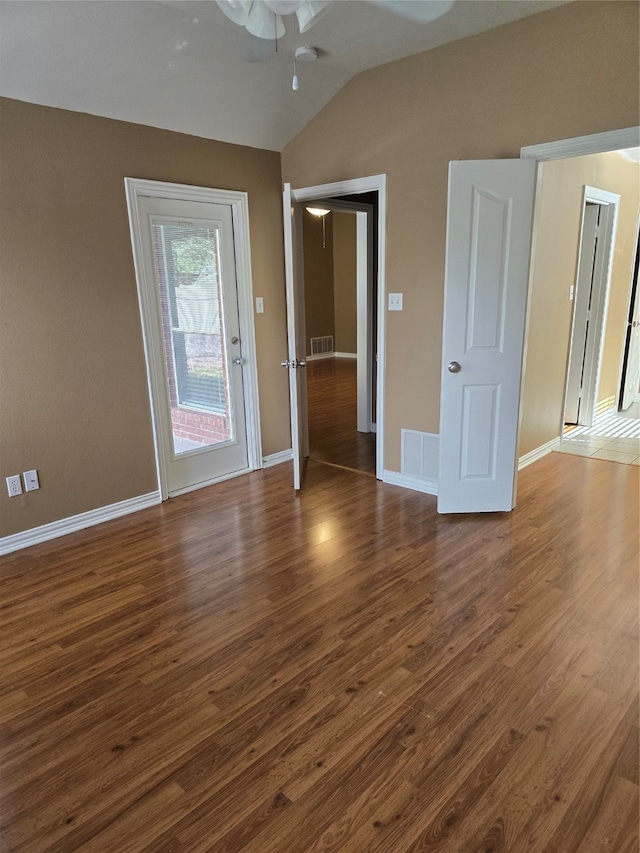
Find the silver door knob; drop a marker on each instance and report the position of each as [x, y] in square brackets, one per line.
[454, 367]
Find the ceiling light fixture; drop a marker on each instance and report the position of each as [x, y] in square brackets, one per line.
[320, 212]
[263, 18]
[302, 54]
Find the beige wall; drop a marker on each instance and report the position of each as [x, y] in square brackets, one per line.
[563, 73]
[318, 277]
[344, 282]
[73, 390]
[557, 238]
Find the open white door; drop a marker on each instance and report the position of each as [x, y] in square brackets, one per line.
[489, 220]
[631, 365]
[295, 337]
[582, 302]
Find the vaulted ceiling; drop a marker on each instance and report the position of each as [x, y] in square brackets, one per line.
[184, 66]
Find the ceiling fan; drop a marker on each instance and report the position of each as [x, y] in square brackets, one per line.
[264, 18]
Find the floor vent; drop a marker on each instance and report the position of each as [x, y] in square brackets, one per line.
[322, 346]
[420, 454]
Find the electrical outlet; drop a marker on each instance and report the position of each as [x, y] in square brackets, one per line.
[31, 482]
[14, 486]
[259, 305]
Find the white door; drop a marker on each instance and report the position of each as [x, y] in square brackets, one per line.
[296, 360]
[631, 379]
[193, 340]
[583, 291]
[489, 221]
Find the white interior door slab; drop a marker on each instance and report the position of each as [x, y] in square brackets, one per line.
[581, 313]
[631, 380]
[296, 361]
[489, 221]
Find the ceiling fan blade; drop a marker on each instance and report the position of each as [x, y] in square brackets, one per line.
[236, 10]
[263, 23]
[420, 11]
[311, 12]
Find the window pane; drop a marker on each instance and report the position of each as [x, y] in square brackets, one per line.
[187, 264]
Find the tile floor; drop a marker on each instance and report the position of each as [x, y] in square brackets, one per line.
[615, 436]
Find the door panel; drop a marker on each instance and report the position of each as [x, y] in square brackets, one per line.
[190, 278]
[488, 246]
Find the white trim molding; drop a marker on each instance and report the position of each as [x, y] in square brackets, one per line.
[596, 143]
[538, 453]
[277, 458]
[345, 354]
[321, 356]
[372, 183]
[408, 481]
[45, 532]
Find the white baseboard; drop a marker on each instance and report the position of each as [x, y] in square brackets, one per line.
[538, 453]
[320, 356]
[407, 481]
[277, 458]
[44, 533]
[345, 355]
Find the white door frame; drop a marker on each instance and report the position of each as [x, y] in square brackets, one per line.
[135, 189]
[600, 288]
[374, 183]
[595, 143]
[364, 305]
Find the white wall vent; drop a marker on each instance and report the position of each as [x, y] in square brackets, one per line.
[322, 346]
[420, 454]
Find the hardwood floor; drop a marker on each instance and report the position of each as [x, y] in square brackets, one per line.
[333, 435]
[243, 670]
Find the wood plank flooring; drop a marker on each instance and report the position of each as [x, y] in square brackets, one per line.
[333, 435]
[243, 670]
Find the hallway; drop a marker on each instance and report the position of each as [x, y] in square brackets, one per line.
[333, 437]
[614, 437]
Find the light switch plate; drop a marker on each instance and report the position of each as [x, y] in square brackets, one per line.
[259, 305]
[31, 482]
[395, 302]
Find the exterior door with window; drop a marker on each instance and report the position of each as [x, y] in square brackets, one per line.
[193, 340]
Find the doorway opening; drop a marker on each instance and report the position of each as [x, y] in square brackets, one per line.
[614, 431]
[339, 263]
[191, 256]
[629, 396]
[593, 281]
[339, 197]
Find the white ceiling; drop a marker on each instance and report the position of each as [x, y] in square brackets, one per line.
[184, 66]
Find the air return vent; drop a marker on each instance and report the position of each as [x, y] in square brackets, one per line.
[322, 346]
[420, 453]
